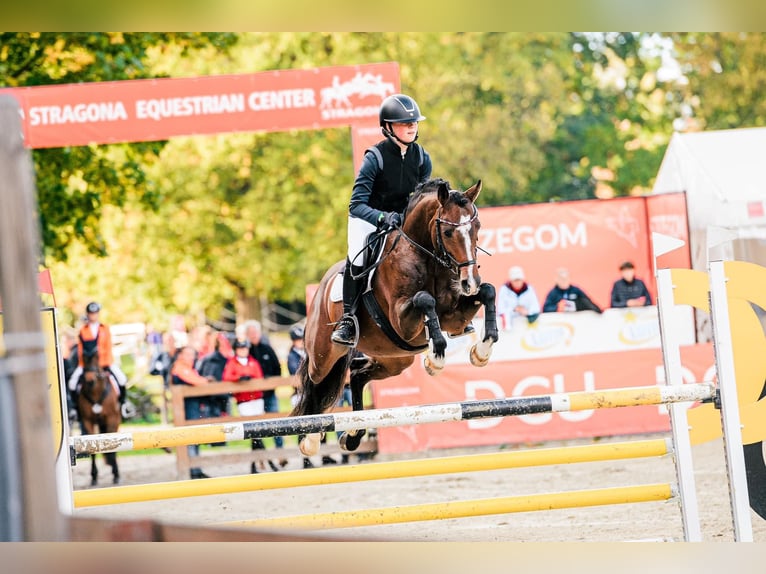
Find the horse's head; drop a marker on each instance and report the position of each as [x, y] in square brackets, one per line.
[455, 231]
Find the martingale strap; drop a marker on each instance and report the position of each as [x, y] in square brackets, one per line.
[377, 314]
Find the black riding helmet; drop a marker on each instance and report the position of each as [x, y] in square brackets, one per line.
[296, 332]
[399, 108]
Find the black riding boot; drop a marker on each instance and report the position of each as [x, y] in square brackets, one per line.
[345, 331]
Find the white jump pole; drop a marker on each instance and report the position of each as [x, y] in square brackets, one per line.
[679, 425]
[730, 419]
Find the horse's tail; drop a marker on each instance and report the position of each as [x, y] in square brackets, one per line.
[317, 397]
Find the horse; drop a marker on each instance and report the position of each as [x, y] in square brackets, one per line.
[98, 406]
[426, 282]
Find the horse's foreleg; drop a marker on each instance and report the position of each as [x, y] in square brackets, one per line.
[93, 471]
[111, 460]
[435, 359]
[481, 351]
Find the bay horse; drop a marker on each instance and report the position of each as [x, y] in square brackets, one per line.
[426, 282]
[98, 406]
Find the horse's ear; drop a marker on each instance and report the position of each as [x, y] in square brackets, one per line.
[473, 192]
[443, 193]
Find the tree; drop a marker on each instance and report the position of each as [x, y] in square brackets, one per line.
[726, 79]
[76, 183]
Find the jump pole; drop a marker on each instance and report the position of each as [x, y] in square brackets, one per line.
[391, 417]
[467, 508]
[376, 471]
[679, 424]
[730, 419]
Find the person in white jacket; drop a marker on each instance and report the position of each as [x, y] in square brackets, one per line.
[517, 298]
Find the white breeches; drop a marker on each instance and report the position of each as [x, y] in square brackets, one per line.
[358, 230]
[117, 376]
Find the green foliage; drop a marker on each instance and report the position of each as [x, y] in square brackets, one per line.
[185, 226]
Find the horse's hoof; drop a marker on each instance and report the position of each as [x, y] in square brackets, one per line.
[116, 480]
[93, 482]
[477, 361]
[350, 442]
[430, 368]
[309, 446]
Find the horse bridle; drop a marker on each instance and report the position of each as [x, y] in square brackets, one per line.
[98, 373]
[442, 257]
[445, 257]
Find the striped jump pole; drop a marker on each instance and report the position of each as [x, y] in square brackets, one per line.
[467, 508]
[376, 471]
[392, 417]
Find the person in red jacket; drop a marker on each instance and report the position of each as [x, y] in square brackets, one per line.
[243, 367]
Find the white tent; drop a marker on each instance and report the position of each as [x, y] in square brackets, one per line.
[724, 176]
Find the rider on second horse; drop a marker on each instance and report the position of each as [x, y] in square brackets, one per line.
[95, 336]
[389, 173]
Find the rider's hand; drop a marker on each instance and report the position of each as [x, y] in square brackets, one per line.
[389, 219]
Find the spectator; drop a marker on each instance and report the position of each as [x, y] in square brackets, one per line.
[184, 373]
[630, 291]
[162, 362]
[243, 367]
[212, 365]
[262, 352]
[565, 297]
[517, 298]
[96, 336]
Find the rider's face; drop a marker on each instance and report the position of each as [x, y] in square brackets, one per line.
[405, 131]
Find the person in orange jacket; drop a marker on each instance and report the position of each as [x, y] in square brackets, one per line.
[184, 373]
[243, 367]
[96, 336]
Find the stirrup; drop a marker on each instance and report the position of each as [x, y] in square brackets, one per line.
[341, 335]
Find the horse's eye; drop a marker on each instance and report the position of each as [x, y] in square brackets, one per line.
[448, 233]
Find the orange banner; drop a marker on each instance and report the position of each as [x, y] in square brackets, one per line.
[158, 109]
[589, 237]
[458, 383]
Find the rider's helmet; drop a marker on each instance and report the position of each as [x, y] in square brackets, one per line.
[296, 332]
[93, 307]
[399, 108]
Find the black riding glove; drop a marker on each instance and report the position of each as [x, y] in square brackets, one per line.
[389, 219]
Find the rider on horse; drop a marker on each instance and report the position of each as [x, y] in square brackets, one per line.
[94, 337]
[389, 173]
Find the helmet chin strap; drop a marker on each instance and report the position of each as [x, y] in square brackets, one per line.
[391, 135]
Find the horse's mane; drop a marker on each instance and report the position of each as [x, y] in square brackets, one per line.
[427, 188]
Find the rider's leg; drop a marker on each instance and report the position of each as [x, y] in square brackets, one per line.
[121, 379]
[345, 330]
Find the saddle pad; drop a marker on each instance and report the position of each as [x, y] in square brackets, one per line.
[336, 288]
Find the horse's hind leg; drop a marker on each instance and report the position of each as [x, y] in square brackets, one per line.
[360, 376]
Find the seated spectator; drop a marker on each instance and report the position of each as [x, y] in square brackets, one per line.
[630, 291]
[184, 373]
[565, 297]
[517, 298]
[242, 367]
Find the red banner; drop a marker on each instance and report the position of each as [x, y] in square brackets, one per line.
[499, 379]
[158, 109]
